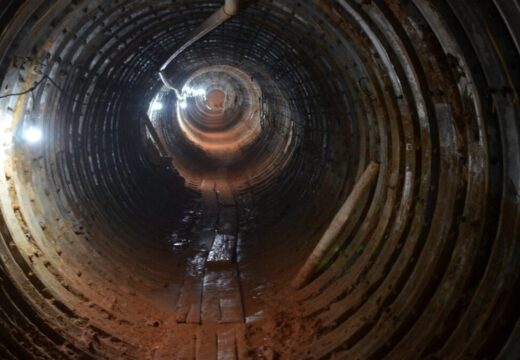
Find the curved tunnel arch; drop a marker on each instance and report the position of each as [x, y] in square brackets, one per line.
[426, 267]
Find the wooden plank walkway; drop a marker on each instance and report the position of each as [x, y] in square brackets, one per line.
[223, 251]
[204, 342]
[210, 301]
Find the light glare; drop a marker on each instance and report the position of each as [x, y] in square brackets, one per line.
[156, 106]
[32, 134]
[200, 92]
[193, 92]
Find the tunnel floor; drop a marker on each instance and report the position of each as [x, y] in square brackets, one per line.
[213, 310]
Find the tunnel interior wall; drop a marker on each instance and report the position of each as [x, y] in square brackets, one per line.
[428, 264]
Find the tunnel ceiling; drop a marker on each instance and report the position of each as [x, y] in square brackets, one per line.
[289, 101]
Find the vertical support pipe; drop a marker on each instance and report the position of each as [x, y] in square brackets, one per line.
[363, 185]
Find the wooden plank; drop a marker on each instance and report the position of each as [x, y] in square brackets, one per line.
[362, 186]
[210, 200]
[222, 300]
[194, 313]
[227, 349]
[225, 195]
[227, 223]
[231, 306]
[189, 305]
[211, 298]
[204, 240]
[222, 251]
[241, 343]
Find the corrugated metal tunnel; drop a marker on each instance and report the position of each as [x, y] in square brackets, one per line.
[139, 222]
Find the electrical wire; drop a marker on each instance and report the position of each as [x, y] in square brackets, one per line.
[34, 87]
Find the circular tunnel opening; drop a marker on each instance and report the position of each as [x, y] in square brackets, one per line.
[314, 180]
[216, 99]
